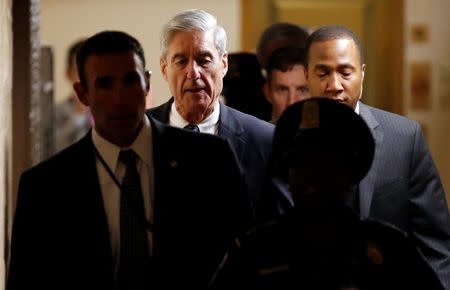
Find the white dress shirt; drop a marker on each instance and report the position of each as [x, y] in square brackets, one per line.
[110, 191]
[210, 125]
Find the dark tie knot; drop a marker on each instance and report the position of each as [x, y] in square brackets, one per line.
[192, 127]
[128, 157]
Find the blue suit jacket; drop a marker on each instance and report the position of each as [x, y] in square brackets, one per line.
[403, 187]
[60, 237]
[251, 139]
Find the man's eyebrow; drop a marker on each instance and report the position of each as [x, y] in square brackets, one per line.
[177, 56]
[204, 53]
[340, 66]
[320, 66]
[346, 65]
[99, 79]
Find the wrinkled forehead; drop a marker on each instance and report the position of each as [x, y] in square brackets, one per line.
[188, 41]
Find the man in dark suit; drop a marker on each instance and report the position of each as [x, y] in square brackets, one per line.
[403, 186]
[194, 62]
[322, 149]
[80, 222]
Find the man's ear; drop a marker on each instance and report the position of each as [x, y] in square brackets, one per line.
[147, 80]
[266, 90]
[81, 93]
[163, 65]
[363, 70]
[225, 64]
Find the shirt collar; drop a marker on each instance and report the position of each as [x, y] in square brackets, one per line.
[357, 108]
[206, 126]
[141, 145]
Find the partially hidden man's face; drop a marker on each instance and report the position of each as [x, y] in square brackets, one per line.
[335, 70]
[194, 71]
[117, 85]
[282, 89]
[322, 179]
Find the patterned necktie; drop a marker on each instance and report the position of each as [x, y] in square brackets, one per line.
[134, 250]
[192, 127]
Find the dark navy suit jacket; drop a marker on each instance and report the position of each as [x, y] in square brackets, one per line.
[251, 139]
[290, 253]
[403, 187]
[60, 237]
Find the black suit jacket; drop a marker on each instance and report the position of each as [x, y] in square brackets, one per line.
[403, 186]
[60, 237]
[361, 254]
[251, 139]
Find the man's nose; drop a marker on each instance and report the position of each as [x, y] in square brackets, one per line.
[334, 83]
[293, 96]
[118, 94]
[193, 71]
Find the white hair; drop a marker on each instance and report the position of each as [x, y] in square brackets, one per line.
[193, 19]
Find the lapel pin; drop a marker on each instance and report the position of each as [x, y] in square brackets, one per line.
[173, 164]
[374, 253]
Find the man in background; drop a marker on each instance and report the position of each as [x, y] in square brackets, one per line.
[285, 81]
[243, 86]
[134, 204]
[403, 186]
[72, 118]
[322, 149]
[278, 35]
[279, 51]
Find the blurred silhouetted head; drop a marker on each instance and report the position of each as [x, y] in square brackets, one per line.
[71, 60]
[242, 86]
[279, 35]
[321, 149]
[319, 127]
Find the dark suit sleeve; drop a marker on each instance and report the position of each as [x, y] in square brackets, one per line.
[244, 216]
[25, 245]
[430, 220]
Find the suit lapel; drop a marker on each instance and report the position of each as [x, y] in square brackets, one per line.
[161, 169]
[162, 112]
[97, 208]
[94, 211]
[231, 130]
[367, 184]
[229, 127]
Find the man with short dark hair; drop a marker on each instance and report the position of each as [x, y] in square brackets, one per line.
[278, 35]
[134, 204]
[322, 149]
[72, 118]
[403, 185]
[285, 81]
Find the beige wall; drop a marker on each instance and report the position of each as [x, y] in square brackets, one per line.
[5, 115]
[434, 51]
[64, 21]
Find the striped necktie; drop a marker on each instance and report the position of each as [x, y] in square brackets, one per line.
[134, 250]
